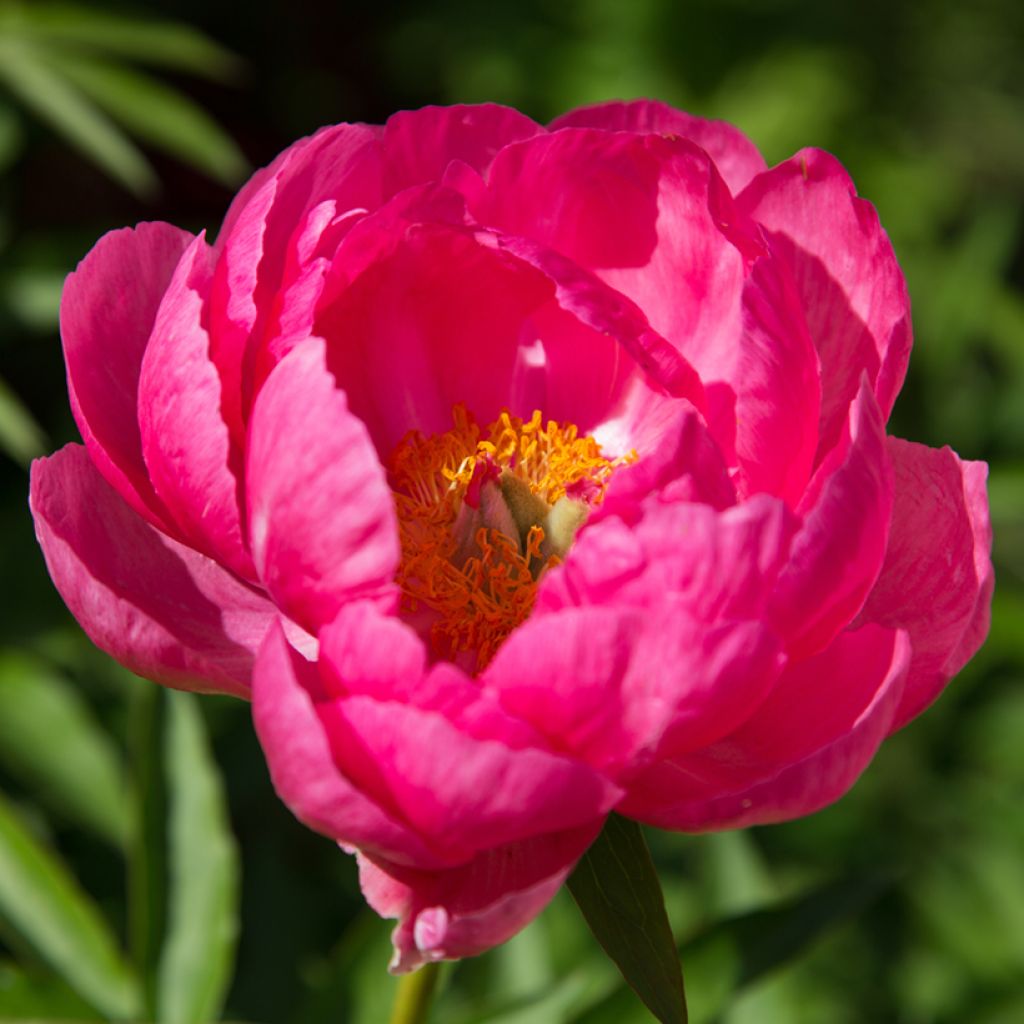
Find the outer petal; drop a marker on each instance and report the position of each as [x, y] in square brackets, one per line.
[838, 553]
[467, 910]
[340, 163]
[184, 437]
[322, 523]
[106, 315]
[736, 157]
[846, 273]
[438, 751]
[286, 692]
[419, 144]
[936, 582]
[158, 607]
[803, 748]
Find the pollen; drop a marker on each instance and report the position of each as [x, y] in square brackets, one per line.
[483, 513]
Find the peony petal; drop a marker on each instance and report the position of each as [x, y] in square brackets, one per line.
[106, 315]
[340, 163]
[462, 792]
[286, 692]
[802, 749]
[185, 441]
[447, 915]
[937, 578]
[846, 274]
[838, 553]
[419, 144]
[321, 518]
[163, 610]
[735, 156]
[611, 686]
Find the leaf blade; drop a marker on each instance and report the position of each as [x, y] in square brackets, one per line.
[198, 957]
[42, 902]
[86, 782]
[616, 887]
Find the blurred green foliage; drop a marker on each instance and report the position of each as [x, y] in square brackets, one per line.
[903, 903]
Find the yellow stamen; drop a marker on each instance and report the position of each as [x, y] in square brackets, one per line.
[482, 514]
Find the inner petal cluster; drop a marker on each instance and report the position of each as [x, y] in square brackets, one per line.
[482, 514]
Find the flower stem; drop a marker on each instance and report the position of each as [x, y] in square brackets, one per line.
[415, 991]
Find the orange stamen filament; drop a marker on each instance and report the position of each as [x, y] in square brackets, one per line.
[470, 582]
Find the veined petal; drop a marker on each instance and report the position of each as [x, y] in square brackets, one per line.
[735, 156]
[937, 578]
[850, 285]
[446, 915]
[107, 311]
[192, 463]
[163, 610]
[321, 519]
[801, 750]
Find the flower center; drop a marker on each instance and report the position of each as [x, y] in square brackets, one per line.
[482, 513]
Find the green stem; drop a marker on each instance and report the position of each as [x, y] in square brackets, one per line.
[415, 991]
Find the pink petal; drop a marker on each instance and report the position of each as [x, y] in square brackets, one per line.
[163, 610]
[185, 440]
[846, 273]
[339, 163]
[419, 144]
[447, 915]
[838, 553]
[649, 215]
[802, 749]
[464, 793]
[735, 156]
[287, 690]
[937, 578]
[321, 518]
[107, 312]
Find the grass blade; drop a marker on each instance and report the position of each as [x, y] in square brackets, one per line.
[86, 781]
[42, 902]
[158, 115]
[28, 75]
[198, 958]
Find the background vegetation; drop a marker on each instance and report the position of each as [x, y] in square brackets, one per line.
[122, 891]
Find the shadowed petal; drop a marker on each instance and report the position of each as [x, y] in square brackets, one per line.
[160, 608]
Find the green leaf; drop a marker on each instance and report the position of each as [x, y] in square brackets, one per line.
[144, 40]
[198, 958]
[735, 953]
[158, 115]
[42, 902]
[617, 889]
[28, 75]
[147, 860]
[11, 136]
[83, 777]
[20, 435]
[26, 996]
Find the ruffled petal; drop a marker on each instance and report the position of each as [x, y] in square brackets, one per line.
[447, 915]
[439, 752]
[191, 461]
[838, 553]
[801, 750]
[287, 690]
[339, 163]
[163, 610]
[735, 156]
[937, 579]
[321, 517]
[106, 315]
[419, 144]
[851, 287]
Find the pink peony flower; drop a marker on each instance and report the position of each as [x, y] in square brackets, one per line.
[518, 474]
